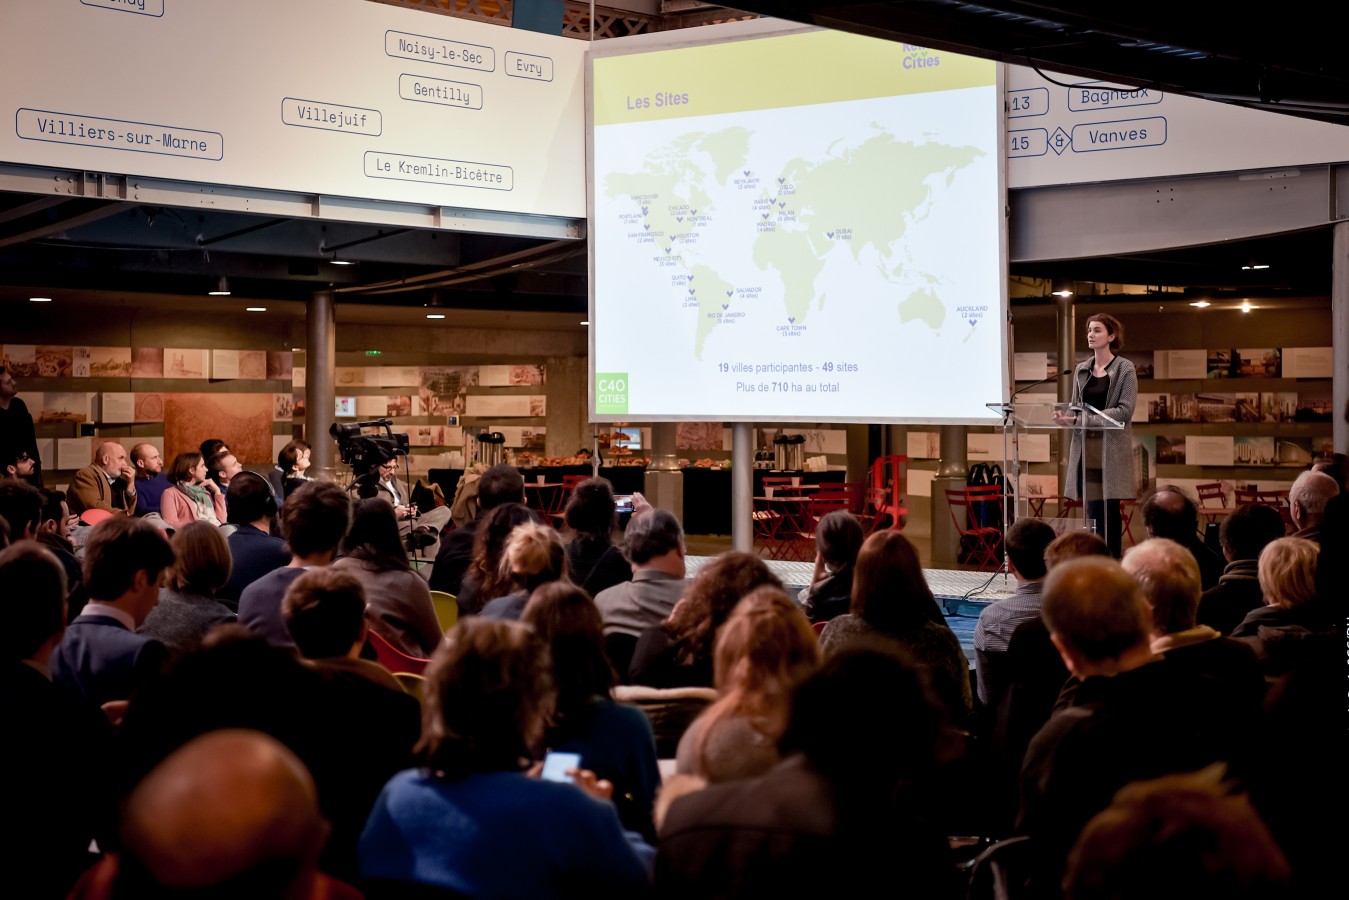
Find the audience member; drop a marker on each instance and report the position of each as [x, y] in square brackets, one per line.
[325, 612]
[254, 546]
[471, 821]
[836, 817]
[221, 466]
[193, 497]
[534, 555]
[1168, 583]
[763, 652]
[188, 607]
[614, 740]
[654, 547]
[16, 463]
[1177, 838]
[1242, 535]
[21, 508]
[1307, 500]
[1131, 717]
[108, 483]
[592, 559]
[54, 533]
[678, 651]
[421, 527]
[1293, 612]
[499, 485]
[292, 462]
[16, 422]
[151, 479]
[1035, 676]
[891, 600]
[101, 656]
[211, 446]
[486, 579]
[57, 793]
[237, 680]
[838, 538]
[1025, 546]
[397, 601]
[1169, 513]
[313, 522]
[231, 814]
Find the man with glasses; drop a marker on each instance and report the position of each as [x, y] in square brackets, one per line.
[382, 481]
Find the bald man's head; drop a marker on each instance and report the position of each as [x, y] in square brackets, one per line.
[233, 811]
[1091, 606]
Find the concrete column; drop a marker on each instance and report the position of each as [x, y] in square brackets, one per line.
[664, 482]
[1067, 335]
[742, 486]
[950, 475]
[1339, 313]
[320, 388]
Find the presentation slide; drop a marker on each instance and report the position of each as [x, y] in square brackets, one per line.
[799, 227]
[343, 98]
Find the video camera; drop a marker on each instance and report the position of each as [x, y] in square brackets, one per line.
[365, 451]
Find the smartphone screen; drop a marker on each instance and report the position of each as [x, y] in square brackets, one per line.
[556, 766]
[623, 502]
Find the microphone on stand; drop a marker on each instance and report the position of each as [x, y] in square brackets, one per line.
[1007, 407]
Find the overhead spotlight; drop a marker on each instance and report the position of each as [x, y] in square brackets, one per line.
[1252, 265]
[586, 322]
[1201, 304]
[255, 309]
[1247, 306]
[1062, 287]
[435, 315]
[39, 299]
[222, 288]
[342, 262]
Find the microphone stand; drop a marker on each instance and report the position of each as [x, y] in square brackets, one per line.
[1014, 463]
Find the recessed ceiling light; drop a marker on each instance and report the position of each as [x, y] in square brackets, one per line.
[435, 315]
[343, 262]
[1062, 293]
[255, 309]
[1247, 306]
[39, 299]
[222, 288]
[1201, 304]
[587, 322]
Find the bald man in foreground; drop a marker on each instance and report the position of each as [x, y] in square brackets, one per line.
[232, 813]
[1132, 717]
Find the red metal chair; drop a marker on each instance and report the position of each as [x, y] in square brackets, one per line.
[979, 542]
[1127, 508]
[769, 526]
[1212, 496]
[816, 508]
[1277, 499]
[395, 660]
[558, 501]
[889, 492]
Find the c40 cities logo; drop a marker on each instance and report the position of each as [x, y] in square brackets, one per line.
[611, 392]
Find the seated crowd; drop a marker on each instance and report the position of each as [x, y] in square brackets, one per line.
[196, 708]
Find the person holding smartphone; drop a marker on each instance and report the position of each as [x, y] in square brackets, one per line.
[472, 820]
[1106, 381]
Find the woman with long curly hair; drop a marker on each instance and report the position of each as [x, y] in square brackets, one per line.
[678, 651]
[765, 649]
